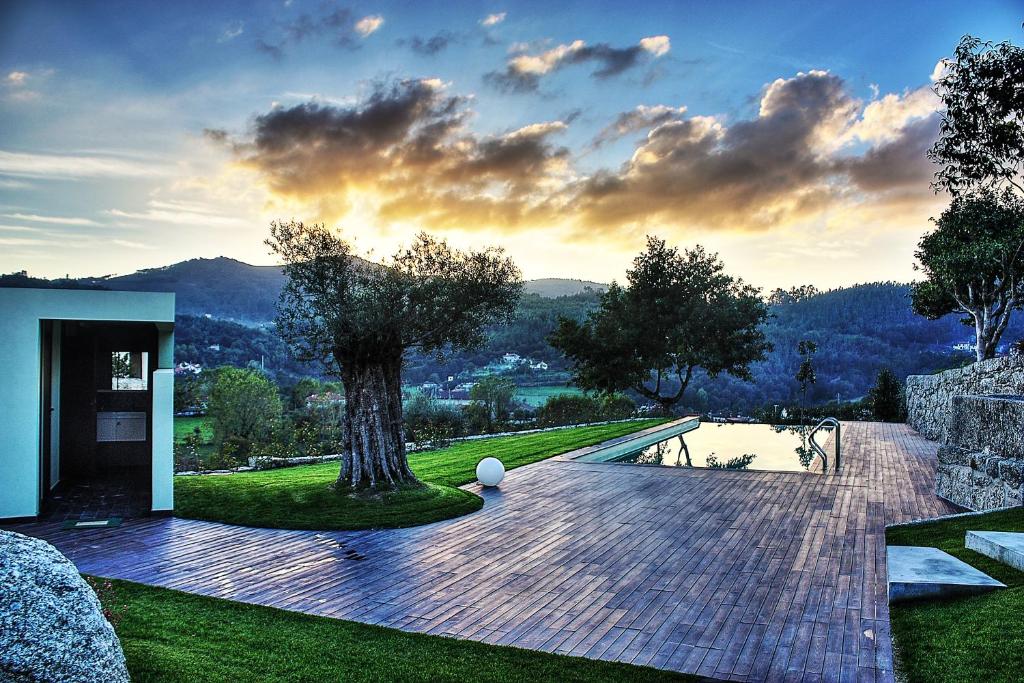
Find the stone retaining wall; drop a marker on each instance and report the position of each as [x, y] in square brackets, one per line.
[930, 397]
[981, 463]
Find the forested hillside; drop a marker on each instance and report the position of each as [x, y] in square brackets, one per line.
[231, 290]
[858, 331]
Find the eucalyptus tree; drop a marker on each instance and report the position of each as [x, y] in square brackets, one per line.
[360, 319]
[677, 313]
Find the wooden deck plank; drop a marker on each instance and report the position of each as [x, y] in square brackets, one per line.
[738, 575]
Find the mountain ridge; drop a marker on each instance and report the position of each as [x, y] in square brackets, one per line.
[230, 289]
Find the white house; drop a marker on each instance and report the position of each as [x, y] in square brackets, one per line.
[511, 359]
[965, 346]
[86, 395]
[539, 365]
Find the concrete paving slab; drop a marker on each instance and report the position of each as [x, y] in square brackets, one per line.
[1005, 546]
[917, 572]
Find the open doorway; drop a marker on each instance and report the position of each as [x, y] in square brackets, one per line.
[97, 422]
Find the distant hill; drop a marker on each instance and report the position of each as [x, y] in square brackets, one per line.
[232, 290]
[858, 330]
[220, 287]
[552, 287]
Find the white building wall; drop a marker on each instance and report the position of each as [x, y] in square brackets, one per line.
[21, 311]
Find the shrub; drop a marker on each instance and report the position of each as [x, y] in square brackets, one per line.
[430, 423]
[186, 453]
[886, 398]
[566, 409]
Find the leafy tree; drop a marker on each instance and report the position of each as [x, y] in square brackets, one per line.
[243, 405]
[981, 142]
[678, 312]
[494, 395]
[189, 392]
[805, 376]
[361, 319]
[886, 397]
[974, 265]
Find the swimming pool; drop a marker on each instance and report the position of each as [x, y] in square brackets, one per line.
[707, 444]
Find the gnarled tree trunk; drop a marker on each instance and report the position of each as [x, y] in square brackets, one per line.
[373, 454]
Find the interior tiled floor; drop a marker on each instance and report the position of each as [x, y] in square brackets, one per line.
[100, 499]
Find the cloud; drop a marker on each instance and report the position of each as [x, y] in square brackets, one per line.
[19, 85]
[493, 19]
[429, 47]
[231, 31]
[884, 119]
[337, 24]
[71, 167]
[128, 244]
[179, 213]
[656, 45]
[405, 155]
[638, 119]
[369, 24]
[523, 71]
[781, 167]
[406, 145]
[55, 220]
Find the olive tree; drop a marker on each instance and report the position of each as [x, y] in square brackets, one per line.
[677, 312]
[973, 263]
[361, 318]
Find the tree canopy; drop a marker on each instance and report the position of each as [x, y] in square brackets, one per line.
[974, 264]
[676, 313]
[981, 142]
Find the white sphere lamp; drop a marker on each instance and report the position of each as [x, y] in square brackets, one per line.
[490, 472]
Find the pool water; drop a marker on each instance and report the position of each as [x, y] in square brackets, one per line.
[734, 446]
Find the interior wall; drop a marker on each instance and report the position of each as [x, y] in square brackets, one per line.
[55, 412]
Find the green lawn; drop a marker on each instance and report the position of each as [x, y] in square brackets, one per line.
[536, 396]
[299, 497]
[184, 426]
[978, 638]
[170, 636]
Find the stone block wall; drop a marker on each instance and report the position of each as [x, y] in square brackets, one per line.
[930, 397]
[981, 463]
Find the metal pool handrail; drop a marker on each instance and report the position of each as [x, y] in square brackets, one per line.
[821, 451]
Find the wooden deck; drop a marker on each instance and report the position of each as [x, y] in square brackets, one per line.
[737, 575]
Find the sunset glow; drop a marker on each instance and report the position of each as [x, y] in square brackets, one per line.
[793, 144]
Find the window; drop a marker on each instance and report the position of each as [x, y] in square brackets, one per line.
[129, 370]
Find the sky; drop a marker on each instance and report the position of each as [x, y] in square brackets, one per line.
[789, 137]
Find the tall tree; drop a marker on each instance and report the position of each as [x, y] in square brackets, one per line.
[361, 319]
[886, 397]
[805, 375]
[981, 144]
[974, 265]
[678, 312]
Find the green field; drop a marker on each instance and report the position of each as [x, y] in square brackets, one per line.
[183, 426]
[300, 497]
[536, 396]
[976, 638]
[169, 635]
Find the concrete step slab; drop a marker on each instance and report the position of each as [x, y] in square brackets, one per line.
[918, 572]
[1004, 546]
